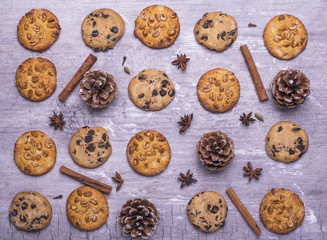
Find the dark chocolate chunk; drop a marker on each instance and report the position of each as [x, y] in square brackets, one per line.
[104, 137]
[14, 213]
[220, 200]
[222, 223]
[222, 14]
[280, 128]
[291, 152]
[114, 39]
[142, 77]
[88, 138]
[78, 142]
[95, 33]
[223, 34]
[90, 147]
[196, 226]
[91, 14]
[207, 24]
[218, 36]
[189, 202]
[196, 33]
[141, 95]
[94, 23]
[101, 145]
[96, 15]
[164, 83]
[75, 151]
[107, 145]
[207, 227]
[171, 93]
[22, 218]
[114, 29]
[163, 92]
[99, 159]
[91, 132]
[204, 38]
[109, 36]
[17, 204]
[216, 217]
[21, 198]
[198, 22]
[33, 205]
[24, 205]
[105, 15]
[154, 93]
[300, 146]
[232, 33]
[86, 127]
[268, 139]
[213, 209]
[204, 15]
[301, 154]
[165, 75]
[97, 49]
[296, 129]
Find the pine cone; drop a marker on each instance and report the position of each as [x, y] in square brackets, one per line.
[290, 88]
[215, 150]
[98, 88]
[139, 218]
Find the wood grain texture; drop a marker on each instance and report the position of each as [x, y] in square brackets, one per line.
[122, 119]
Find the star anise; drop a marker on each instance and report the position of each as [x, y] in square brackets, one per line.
[119, 180]
[57, 120]
[185, 122]
[181, 61]
[246, 119]
[187, 179]
[252, 173]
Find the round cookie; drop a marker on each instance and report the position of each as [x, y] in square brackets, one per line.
[90, 147]
[286, 142]
[87, 209]
[157, 26]
[36, 79]
[35, 153]
[38, 29]
[285, 36]
[151, 90]
[102, 28]
[207, 211]
[218, 90]
[216, 31]
[148, 152]
[281, 211]
[30, 211]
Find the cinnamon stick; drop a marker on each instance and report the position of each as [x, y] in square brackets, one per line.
[245, 213]
[254, 73]
[77, 77]
[86, 180]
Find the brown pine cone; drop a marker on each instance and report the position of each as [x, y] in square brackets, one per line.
[215, 150]
[139, 218]
[98, 89]
[290, 88]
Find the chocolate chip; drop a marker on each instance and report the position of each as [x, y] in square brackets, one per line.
[296, 129]
[14, 213]
[91, 132]
[88, 138]
[164, 83]
[207, 24]
[213, 209]
[114, 29]
[280, 128]
[114, 39]
[222, 223]
[75, 151]
[104, 137]
[86, 127]
[301, 147]
[232, 33]
[33, 205]
[300, 155]
[99, 159]
[90, 147]
[91, 14]
[223, 34]
[204, 38]
[97, 49]
[268, 139]
[78, 142]
[101, 145]
[107, 145]
[171, 93]
[218, 36]
[196, 226]
[207, 227]
[163, 92]
[216, 218]
[154, 93]
[105, 15]
[291, 152]
[21, 199]
[204, 15]
[94, 23]
[222, 14]
[189, 202]
[17, 204]
[196, 33]
[109, 36]
[142, 77]
[95, 33]
[96, 15]
[165, 75]
[24, 205]
[22, 218]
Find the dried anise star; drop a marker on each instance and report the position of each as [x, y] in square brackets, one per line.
[57, 120]
[185, 122]
[181, 61]
[119, 180]
[252, 173]
[187, 179]
[246, 119]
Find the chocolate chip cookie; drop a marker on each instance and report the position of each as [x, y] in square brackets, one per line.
[87, 208]
[286, 142]
[151, 90]
[216, 30]
[207, 211]
[102, 28]
[90, 147]
[218, 90]
[148, 152]
[285, 36]
[281, 211]
[30, 211]
[35, 153]
[38, 29]
[157, 26]
[36, 79]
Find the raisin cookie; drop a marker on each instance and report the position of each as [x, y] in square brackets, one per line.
[286, 142]
[218, 90]
[30, 211]
[87, 208]
[36, 79]
[207, 211]
[38, 30]
[102, 28]
[281, 211]
[157, 26]
[90, 147]
[35, 153]
[216, 30]
[148, 152]
[151, 90]
[285, 36]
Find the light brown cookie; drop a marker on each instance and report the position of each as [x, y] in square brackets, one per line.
[207, 211]
[218, 90]
[90, 147]
[102, 28]
[281, 211]
[38, 29]
[148, 152]
[216, 30]
[35, 153]
[87, 208]
[286, 142]
[285, 36]
[151, 90]
[157, 26]
[36, 79]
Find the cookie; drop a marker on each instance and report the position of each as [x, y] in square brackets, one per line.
[87, 208]
[90, 147]
[151, 90]
[102, 28]
[30, 211]
[35, 153]
[157, 26]
[286, 142]
[36, 79]
[218, 90]
[38, 29]
[281, 211]
[285, 36]
[207, 211]
[216, 31]
[148, 152]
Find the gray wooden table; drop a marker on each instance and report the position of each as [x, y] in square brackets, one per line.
[122, 119]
